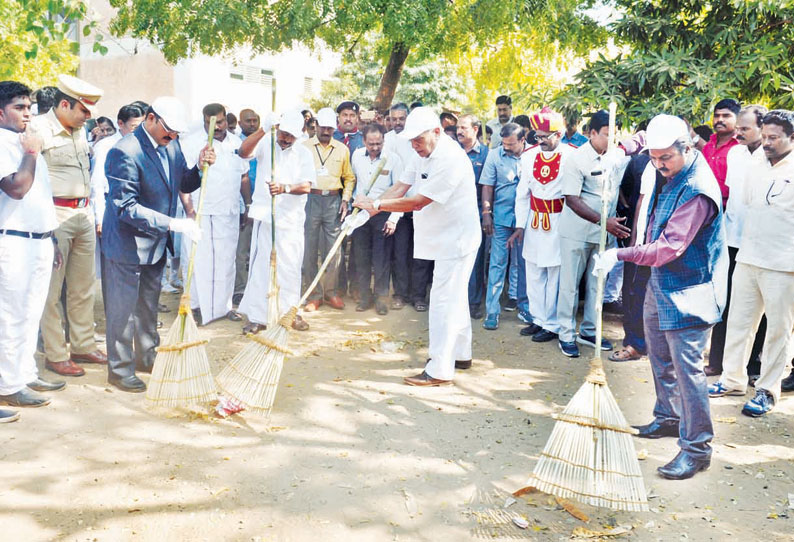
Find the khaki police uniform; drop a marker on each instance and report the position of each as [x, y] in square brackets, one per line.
[66, 154]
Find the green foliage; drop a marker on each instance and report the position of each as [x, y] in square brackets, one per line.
[35, 43]
[687, 54]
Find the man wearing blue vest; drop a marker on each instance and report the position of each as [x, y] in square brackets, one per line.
[687, 253]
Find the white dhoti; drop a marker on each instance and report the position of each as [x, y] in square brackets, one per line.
[25, 269]
[450, 323]
[289, 258]
[543, 284]
[214, 268]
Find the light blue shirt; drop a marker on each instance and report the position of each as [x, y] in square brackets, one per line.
[502, 171]
[577, 140]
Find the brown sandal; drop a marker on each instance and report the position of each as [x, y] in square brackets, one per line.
[627, 353]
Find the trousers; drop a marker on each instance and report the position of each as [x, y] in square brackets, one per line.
[372, 253]
[131, 315]
[321, 229]
[241, 258]
[681, 387]
[576, 257]
[543, 285]
[757, 290]
[25, 266]
[449, 320]
[635, 282]
[497, 269]
[77, 243]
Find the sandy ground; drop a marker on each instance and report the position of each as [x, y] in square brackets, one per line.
[351, 454]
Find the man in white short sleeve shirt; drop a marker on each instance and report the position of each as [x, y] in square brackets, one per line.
[446, 230]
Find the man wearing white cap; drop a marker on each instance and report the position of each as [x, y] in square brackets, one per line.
[326, 208]
[66, 152]
[146, 171]
[213, 283]
[447, 230]
[687, 253]
[293, 180]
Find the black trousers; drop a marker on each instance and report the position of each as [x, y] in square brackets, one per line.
[133, 292]
[402, 256]
[718, 333]
[635, 281]
[371, 251]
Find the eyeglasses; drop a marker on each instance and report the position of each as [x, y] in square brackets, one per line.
[166, 128]
[546, 137]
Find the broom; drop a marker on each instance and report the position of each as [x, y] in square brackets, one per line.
[590, 454]
[181, 373]
[251, 377]
[272, 301]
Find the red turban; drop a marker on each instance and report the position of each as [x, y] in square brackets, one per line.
[547, 120]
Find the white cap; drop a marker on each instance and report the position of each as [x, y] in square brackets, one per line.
[172, 111]
[326, 117]
[291, 122]
[419, 121]
[663, 131]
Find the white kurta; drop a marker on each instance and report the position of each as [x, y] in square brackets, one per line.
[447, 231]
[214, 268]
[293, 166]
[25, 267]
[740, 161]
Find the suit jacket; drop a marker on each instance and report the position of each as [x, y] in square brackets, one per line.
[142, 200]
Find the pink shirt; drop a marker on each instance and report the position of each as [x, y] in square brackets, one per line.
[681, 229]
[717, 157]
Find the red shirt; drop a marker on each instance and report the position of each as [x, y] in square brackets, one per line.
[717, 157]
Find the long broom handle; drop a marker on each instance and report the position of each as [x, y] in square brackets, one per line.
[340, 238]
[184, 304]
[273, 278]
[606, 196]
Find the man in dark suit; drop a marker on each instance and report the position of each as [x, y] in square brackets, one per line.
[146, 171]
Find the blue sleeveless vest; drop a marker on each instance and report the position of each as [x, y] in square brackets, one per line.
[691, 290]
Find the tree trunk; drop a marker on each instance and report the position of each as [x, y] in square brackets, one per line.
[391, 76]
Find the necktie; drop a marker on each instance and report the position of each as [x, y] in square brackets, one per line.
[161, 152]
[347, 139]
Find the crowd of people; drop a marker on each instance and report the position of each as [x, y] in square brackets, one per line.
[460, 218]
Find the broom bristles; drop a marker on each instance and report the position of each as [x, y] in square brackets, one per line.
[252, 376]
[181, 374]
[590, 455]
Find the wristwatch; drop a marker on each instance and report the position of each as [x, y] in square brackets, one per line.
[287, 188]
[376, 204]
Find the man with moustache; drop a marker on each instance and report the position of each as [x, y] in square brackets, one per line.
[28, 251]
[685, 294]
[763, 280]
[721, 141]
[504, 114]
[744, 157]
[146, 171]
[539, 202]
[249, 123]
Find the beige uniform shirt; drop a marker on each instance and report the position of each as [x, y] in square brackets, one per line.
[332, 165]
[767, 239]
[67, 160]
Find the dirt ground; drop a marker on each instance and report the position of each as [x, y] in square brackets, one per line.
[352, 454]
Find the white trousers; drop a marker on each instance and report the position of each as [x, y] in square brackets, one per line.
[289, 258]
[25, 270]
[757, 291]
[214, 269]
[543, 285]
[449, 319]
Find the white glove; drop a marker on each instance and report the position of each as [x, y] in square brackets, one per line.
[354, 221]
[188, 226]
[605, 262]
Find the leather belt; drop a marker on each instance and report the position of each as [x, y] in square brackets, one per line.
[72, 203]
[325, 192]
[28, 234]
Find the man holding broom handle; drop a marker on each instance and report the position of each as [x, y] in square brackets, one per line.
[686, 250]
[146, 170]
[294, 178]
[446, 229]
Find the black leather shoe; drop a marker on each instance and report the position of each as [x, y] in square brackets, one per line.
[25, 398]
[683, 466]
[530, 330]
[132, 384]
[476, 311]
[787, 384]
[657, 429]
[463, 364]
[42, 385]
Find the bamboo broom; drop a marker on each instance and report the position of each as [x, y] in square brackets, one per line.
[181, 374]
[251, 378]
[590, 454]
[272, 300]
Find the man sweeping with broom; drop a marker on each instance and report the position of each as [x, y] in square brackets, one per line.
[686, 250]
[146, 171]
[447, 230]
